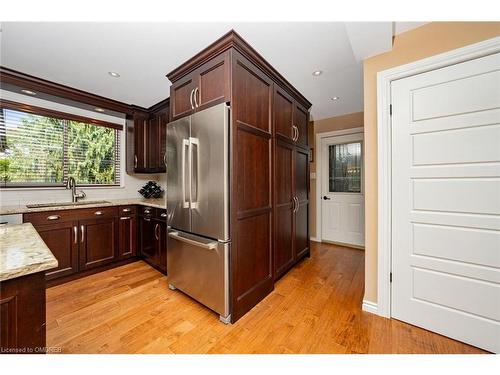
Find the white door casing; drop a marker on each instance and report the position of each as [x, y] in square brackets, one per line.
[446, 201]
[342, 213]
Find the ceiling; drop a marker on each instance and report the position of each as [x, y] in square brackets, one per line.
[80, 55]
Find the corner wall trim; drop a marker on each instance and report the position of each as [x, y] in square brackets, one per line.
[370, 307]
[314, 239]
[384, 152]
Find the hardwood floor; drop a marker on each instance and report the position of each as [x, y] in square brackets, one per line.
[315, 308]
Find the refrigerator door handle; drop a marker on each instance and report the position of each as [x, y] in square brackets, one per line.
[194, 167]
[178, 237]
[185, 199]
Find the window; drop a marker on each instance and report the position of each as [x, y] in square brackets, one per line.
[345, 168]
[39, 148]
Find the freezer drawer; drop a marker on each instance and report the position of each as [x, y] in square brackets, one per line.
[199, 267]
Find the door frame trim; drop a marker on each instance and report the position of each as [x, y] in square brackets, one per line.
[384, 152]
[318, 154]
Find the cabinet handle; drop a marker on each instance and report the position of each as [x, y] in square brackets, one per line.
[82, 230]
[164, 214]
[298, 204]
[196, 90]
[75, 232]
[146, 211]
[135, 161]
[125, 218]
[98, 213]
[53, 217]
[146, 219]
[191, 98]
[165, 159]
[156, 231]
[298, 134]
[126, 210]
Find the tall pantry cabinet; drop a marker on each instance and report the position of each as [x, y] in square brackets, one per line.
[269, 160]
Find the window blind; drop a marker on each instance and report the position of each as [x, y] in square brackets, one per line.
[40, 150]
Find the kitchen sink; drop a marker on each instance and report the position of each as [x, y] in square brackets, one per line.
[62, 204]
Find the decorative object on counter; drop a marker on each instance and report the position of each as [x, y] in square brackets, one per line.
[151, 190]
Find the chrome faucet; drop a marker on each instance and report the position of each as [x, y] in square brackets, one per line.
[71, 184]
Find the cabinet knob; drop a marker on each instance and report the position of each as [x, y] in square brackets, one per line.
[53, 217]
[126, 210]
[164, 214]
[98, 213]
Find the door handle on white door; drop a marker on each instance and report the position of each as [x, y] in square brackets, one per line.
[326, 198]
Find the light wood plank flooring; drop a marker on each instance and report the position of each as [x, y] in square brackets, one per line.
[315, 308]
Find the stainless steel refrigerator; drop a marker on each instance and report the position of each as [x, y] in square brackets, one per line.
[198, 207]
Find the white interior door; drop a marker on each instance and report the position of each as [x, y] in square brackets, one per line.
[342, 201]
[446, 201]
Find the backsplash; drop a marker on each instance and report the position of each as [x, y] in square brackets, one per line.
[132, 183]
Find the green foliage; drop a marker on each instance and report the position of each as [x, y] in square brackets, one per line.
[35, 151]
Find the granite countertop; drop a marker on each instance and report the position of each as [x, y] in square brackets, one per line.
[158, 203]
[23, 252]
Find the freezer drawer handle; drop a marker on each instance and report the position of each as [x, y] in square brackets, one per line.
[176, 236]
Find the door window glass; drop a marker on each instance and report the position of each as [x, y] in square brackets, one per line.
[344, 168]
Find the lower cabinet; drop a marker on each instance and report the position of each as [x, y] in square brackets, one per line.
[62, 239]
[153, 237]
[127, 237]
[291, 207]
[98, 242]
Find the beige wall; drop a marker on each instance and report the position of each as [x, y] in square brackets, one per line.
[352, 120]
[425, 41]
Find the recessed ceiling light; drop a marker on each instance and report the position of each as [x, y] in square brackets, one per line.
[28, 92]
[317, 73]
[114, 74]
[335, 98]
[98, 109]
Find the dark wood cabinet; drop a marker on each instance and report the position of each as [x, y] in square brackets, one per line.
[146, 139]
[301, 190]
[301, 121]
[268, 126]
[201, 88]
[127, 236]
[62, 240]
[283, 208]
[153, 237]
[22, 315]
[147, 235]
[98, 242]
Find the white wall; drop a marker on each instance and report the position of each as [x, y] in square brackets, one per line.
[129, 184]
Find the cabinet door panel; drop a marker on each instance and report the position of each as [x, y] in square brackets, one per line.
[62, 240]
[180, 96]
[127, 237]
[162, 140]
[213, 82]
[283, 232]
[98, 241]
[140, 138]
[283, 114]
[153, 143]
[301, 120]
[147, 237]
[301, 185]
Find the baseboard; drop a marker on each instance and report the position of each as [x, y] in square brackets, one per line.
[314, 239]
[370, 307]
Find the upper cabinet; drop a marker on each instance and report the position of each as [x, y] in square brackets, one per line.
[201, 88]
[146, 139]
[290, 118]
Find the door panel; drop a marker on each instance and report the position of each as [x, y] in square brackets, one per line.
[178, 177]
[283, 113]
[62, 240]
[301, 191]
[127, 236]
[445, 203]
[284, 217]
[181, 102]
[213, 82]
[342, 200]
[140, 139]
[98, 241]
[209, 147]
[147, 235]
[301, 120]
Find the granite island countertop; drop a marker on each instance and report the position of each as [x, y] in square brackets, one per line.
[23, 252]
[22, 209]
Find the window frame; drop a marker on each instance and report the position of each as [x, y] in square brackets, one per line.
[35, 110]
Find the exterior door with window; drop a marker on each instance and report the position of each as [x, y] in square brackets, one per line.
[342, 200]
